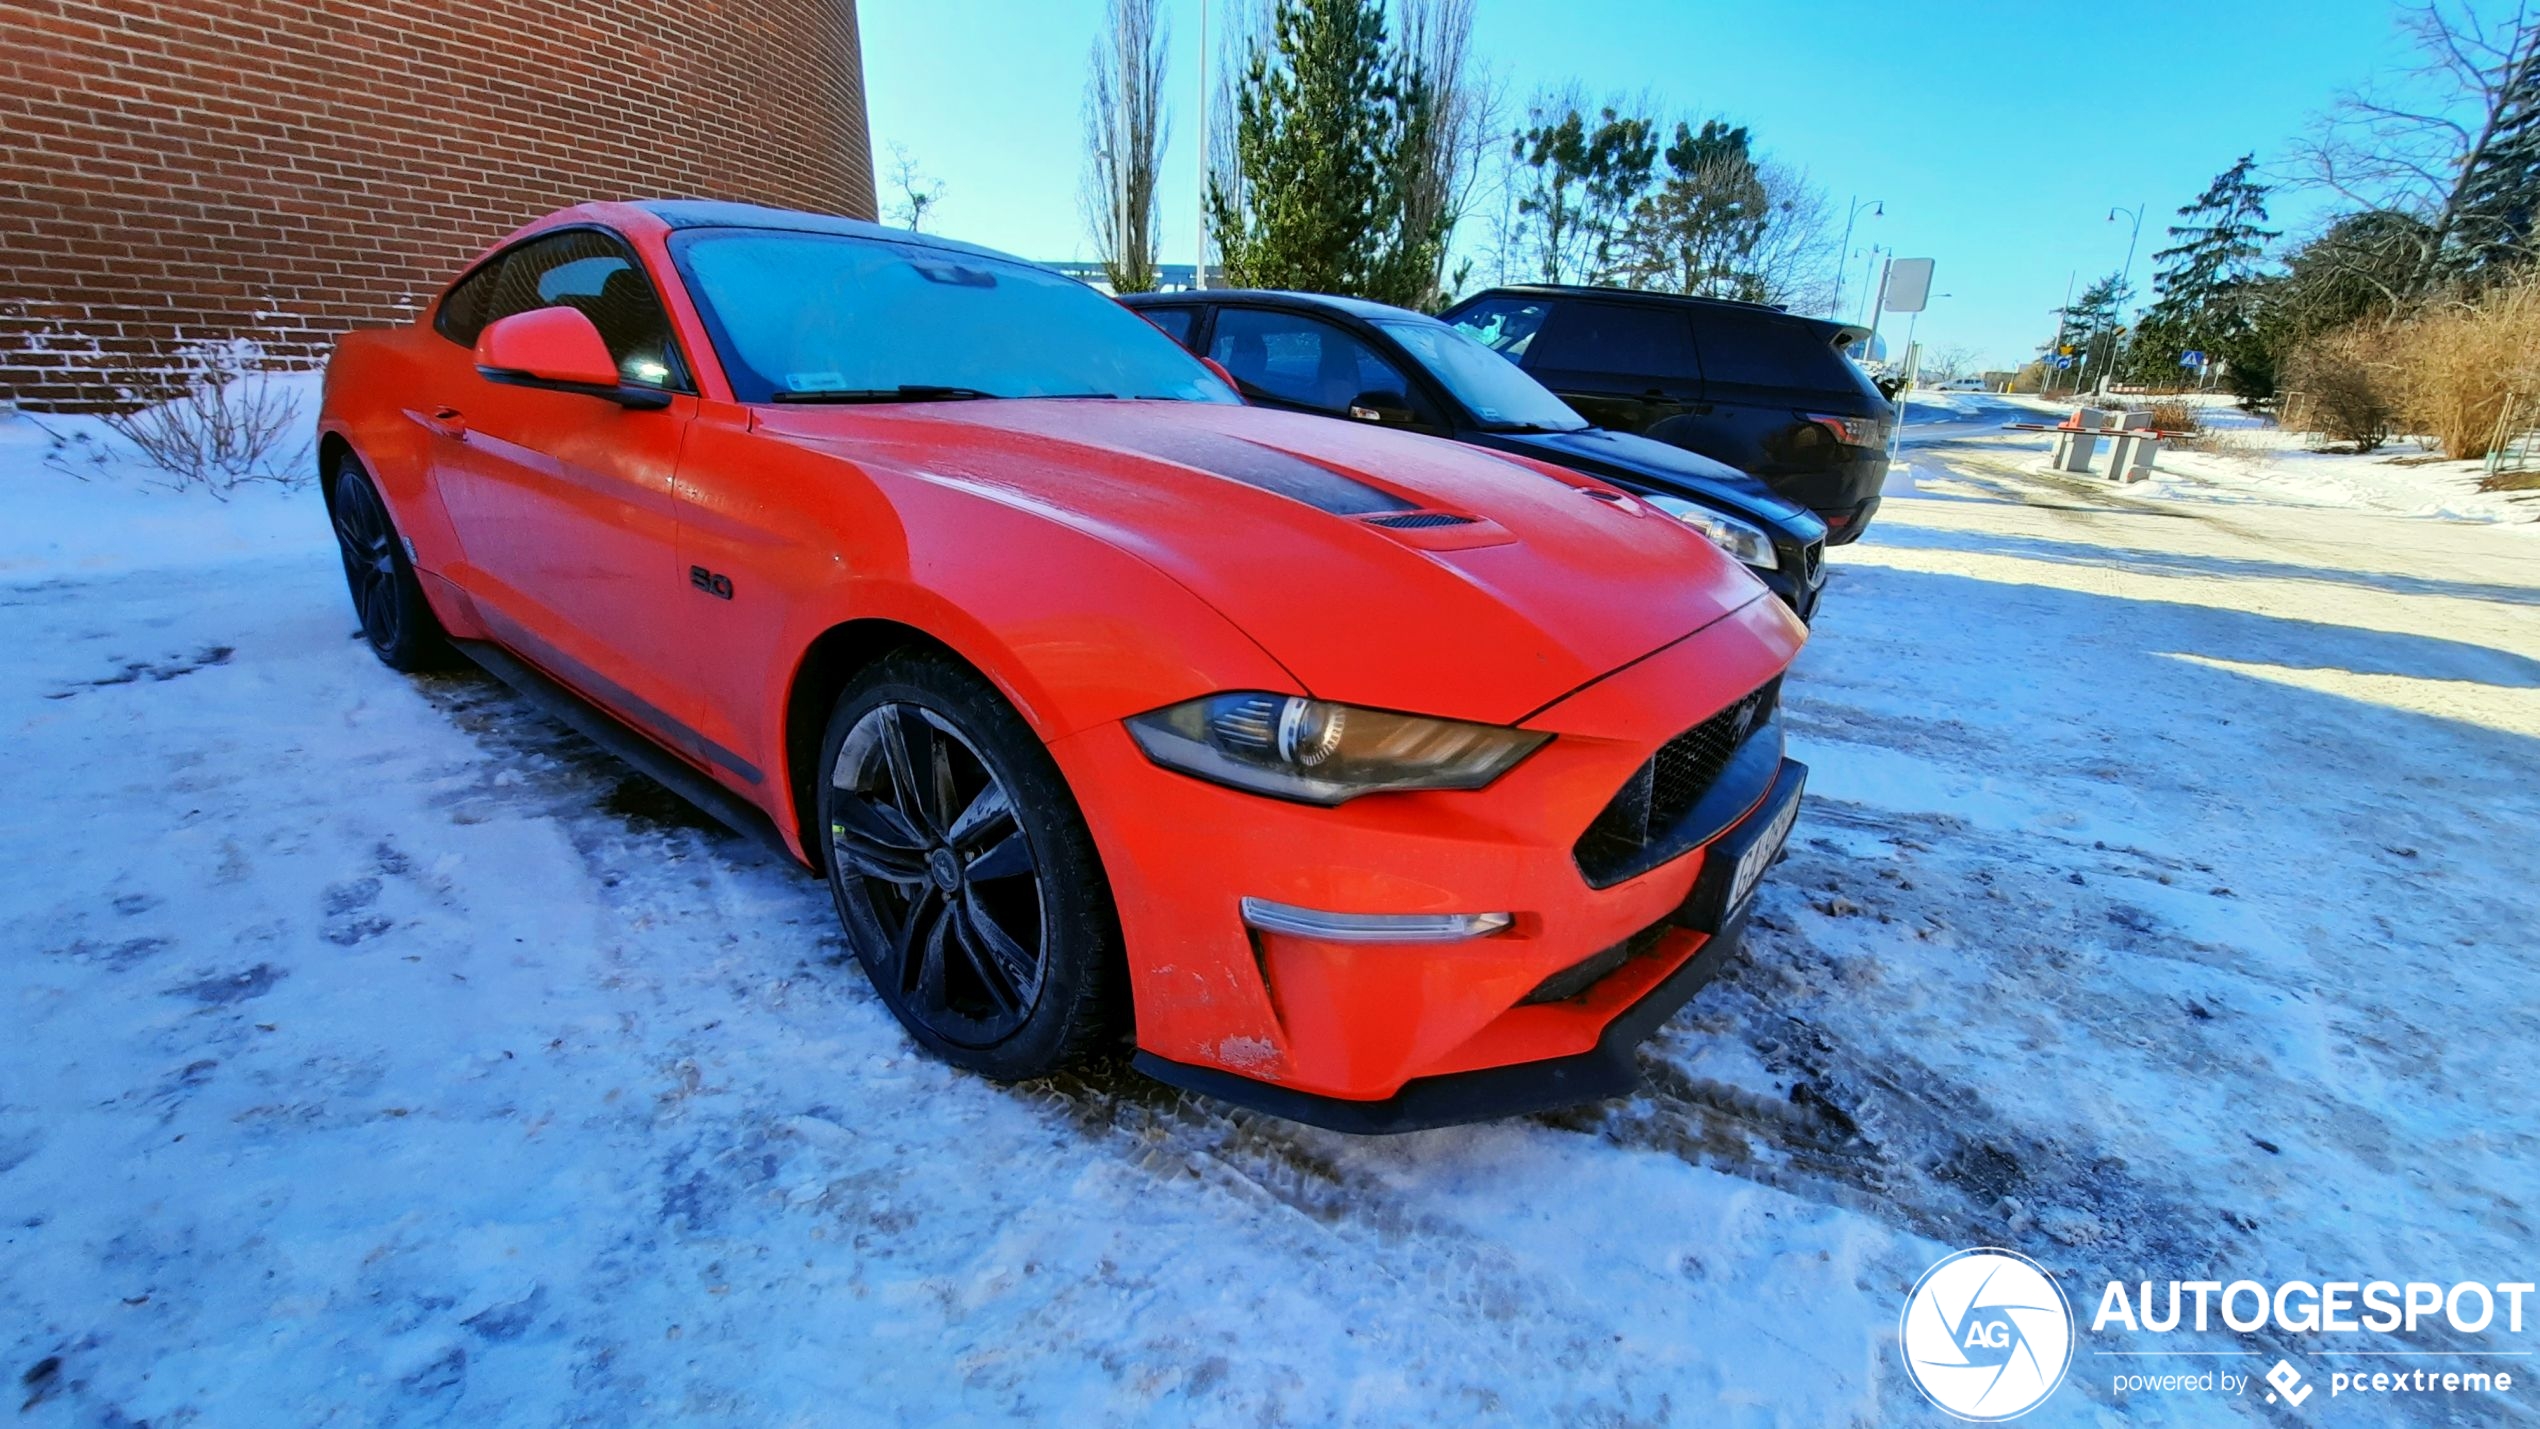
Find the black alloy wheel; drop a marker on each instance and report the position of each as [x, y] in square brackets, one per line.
[396, 620]
[963, 873]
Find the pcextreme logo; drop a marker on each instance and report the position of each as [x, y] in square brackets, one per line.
[1987, 1334]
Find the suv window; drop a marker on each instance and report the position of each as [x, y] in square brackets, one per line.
[1300, 359]
[1505, 325]
[1769, 352]
[1174, 323]
[580, 269]
[1649, 341]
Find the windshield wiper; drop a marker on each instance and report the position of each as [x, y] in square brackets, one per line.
[1530, 428]
[905, 392]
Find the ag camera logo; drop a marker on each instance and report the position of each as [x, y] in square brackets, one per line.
[1987, 1334]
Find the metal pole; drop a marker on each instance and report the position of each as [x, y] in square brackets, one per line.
[1905, 392]
[1863, 319]
[1878, 309]
[2063, 315]
[1843, 255]
[1199, 259]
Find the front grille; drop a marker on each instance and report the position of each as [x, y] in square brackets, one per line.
[1661, 792]
[1810, 560]
[1414, 520]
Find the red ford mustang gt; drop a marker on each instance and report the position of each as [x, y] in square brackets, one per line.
[1375, 781]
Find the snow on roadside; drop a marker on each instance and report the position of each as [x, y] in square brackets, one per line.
[79, 499]
[2254, 462]
[379, 1053]
[382, 1054]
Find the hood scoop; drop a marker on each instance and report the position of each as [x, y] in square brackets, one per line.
[1432, 530]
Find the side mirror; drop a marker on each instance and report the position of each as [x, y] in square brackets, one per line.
[1385, 409]
[558, 349]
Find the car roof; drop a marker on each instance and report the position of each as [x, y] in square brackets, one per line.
[677, 214]
[1359, 308]
[1676, 300]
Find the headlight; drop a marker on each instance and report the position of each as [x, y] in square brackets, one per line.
[1741, 539]
[1317, 752]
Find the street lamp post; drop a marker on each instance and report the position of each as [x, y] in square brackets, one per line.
[2125, 279]
[1878, 209]
[2125, 275]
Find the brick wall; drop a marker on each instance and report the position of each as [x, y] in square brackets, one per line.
[177, 171]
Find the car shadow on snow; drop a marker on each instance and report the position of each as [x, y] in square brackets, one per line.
[2172, 563]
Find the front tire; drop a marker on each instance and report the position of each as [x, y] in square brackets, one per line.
[396, 620]
[963, 871]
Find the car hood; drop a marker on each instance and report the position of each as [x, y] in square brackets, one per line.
[1534, 588]
[1648, 465]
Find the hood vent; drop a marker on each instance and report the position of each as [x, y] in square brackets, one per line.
[1418, 520]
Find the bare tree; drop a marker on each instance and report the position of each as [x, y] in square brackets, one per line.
[2418, 140]
[1948, 364]
[918, 191]
[1794, 261]
[1435, 44]
[1247, 27]
[1124, 142]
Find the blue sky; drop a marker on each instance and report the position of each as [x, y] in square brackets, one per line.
[1998, 134]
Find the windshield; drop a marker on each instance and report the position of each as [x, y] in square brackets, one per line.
[1491, 385]
[796, 316]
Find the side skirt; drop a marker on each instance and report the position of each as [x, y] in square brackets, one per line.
[628, 743]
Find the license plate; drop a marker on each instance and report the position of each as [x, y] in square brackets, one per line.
[1758, 857]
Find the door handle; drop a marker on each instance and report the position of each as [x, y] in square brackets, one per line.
[444, 421]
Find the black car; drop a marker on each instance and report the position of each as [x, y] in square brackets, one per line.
[1340, 357]
[1763, 390]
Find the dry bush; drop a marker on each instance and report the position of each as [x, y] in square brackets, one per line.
[216, 419]
[2175, 414]
[2456, 364]
[2342, 385]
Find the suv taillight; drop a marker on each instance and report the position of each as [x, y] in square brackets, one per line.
[1851, 431]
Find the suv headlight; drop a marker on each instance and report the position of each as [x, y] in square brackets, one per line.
[1742, 539]
[1317, 752]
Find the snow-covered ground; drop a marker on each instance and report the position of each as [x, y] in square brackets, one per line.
[375, 1052]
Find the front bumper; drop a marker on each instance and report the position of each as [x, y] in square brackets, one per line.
[1604, 1070]
[1221, 1004]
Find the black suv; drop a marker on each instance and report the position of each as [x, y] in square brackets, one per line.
[1341, 357]
[1753, 386]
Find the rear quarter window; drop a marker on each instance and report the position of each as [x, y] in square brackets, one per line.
[1765, 351]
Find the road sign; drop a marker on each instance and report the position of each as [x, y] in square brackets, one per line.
[2191, 358]
[2059, 361]
[1908, 285]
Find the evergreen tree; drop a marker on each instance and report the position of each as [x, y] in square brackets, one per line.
[2488, 219]
[2203, 280]
[2092, 328]
[1327, 122]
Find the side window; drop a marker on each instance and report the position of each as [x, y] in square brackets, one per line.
[1506, 326]
[462, 314]
[1300, 359]
[1614, 337]
[1174, 323]
[580, 269]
